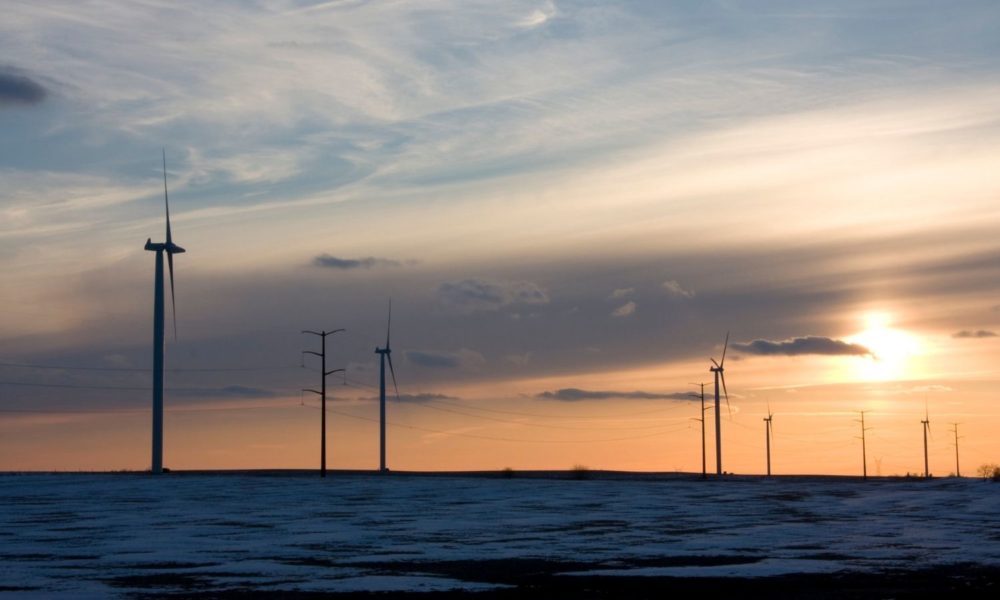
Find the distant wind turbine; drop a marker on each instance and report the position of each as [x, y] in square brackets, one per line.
[158, 317]
[768, 430]
[719, 372]
[385, 354]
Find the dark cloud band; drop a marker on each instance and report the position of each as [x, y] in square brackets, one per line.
[576, 395]
[16, 88]
[981, 333]
[803, 345]
[333, 262]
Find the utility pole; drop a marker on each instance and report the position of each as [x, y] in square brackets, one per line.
[954, 427]
[322, 392]
[704, 469]
[864, 454]
[767, 434]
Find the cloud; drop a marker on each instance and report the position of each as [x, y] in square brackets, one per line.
[674, 289]
[539, 16]
[520, 360]
[16, 88]
[803, 345]
[412, 398]
[229, 391]
[332, 262]
[464, 358]
[981, 333]
[621, 293]
[576, 395]
[921, 389]
[624, 310]
[471, 295]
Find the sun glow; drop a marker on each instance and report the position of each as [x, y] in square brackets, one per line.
[891, 349]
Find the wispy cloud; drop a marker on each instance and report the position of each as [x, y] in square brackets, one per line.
[470, 295]
[464, 358]
[229, 391]
[347, 264]
[979, 333]
[413, 398]
[625, 310]
[803, 345]
[674, 289]
[576, 395]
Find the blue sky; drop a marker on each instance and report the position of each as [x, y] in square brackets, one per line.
[554, 194]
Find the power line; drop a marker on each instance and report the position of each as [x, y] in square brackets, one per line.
[143, 370]
[143, 411]
[498, 439]
[466, 406]
[430, 405]
[77, 387]
[106, 387]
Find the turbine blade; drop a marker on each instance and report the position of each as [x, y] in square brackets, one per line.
[725, 347]
[714, 363]
[166, 199]
[388, 327]
[173, 297]
[393, 372]
[722, 376]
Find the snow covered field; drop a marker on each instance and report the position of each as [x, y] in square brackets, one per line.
[105, 535]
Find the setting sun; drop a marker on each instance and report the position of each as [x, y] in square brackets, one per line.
[891, 349]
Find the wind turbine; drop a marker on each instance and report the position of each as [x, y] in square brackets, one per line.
[719, 371]
[170, 248]
[768, 430]
[927, 428]
[385, 354]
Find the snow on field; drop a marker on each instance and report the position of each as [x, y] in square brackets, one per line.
[101, 535]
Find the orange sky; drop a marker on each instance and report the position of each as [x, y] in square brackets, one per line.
[555, 196]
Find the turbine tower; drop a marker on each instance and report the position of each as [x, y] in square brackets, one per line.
[767, 432]
[385, 354]
[719, 372]
[158, 317]
[927, 428]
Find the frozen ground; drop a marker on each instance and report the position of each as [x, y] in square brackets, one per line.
[105, 535]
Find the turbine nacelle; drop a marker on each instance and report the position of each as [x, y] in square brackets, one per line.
[170, 247]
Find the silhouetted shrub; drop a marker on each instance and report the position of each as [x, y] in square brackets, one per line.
[507, 473]
[989, 471]
[580, 472]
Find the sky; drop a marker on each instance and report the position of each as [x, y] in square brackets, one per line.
[569, 204]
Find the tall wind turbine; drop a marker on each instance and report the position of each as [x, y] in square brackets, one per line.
[385, 354]
[927, 429]
[767, 432]
[719, 372]
[170, 248]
